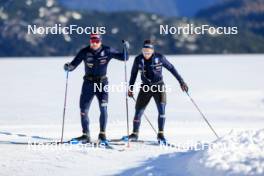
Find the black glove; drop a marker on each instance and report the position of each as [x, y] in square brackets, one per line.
[68, 67]
[130, 93]
[184, 87]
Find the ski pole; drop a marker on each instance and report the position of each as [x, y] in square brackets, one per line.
[64, 107]
[125, 65]
[197, 107]
[147, 118]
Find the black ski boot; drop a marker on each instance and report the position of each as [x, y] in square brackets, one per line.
[132, 137]
[102, 138]
[161, 139]
[85, 138]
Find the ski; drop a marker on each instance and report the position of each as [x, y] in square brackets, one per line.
[92, 143]
[148, 142]
[50, 140]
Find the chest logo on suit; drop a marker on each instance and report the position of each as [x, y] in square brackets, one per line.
[102, 53]
[90, 65]
[103, 61]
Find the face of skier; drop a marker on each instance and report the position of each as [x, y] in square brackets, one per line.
[95, 43]
[147, 52]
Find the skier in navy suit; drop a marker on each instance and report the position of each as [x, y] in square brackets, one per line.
[150, 64]
[95, 57]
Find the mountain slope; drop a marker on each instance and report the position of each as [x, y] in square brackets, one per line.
[247, 14]
[14, 40]
[165, 7]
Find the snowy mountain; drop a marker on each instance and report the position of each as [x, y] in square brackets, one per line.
[166, 7]
[15, 41]
[248, 14]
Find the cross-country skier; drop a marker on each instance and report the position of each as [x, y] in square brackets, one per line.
[150, 64]
[95, 57]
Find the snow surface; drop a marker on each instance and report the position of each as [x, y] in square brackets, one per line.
[237, 153]
[228, 88]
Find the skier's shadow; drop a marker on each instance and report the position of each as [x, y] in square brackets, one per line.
[173, 164]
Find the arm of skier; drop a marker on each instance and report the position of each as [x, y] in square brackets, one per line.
[120, 56]
[133, 78]
[172, 69]
[70, 66]
[116, 54]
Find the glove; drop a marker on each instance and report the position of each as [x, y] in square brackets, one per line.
[68, 67]
[130, 93]
[126, 44]
[184, 87]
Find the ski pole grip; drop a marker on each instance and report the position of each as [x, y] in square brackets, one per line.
[126, 44]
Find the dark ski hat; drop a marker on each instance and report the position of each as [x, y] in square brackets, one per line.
[95, 37]
[148, 44]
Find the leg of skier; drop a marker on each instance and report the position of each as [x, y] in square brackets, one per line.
[160, 99]
[102, 97]
[141, 103]
[85, 102]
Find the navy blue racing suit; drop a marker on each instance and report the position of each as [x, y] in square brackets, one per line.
[95, 63]
[151, 74]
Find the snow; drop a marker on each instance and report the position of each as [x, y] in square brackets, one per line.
[76, 16]
[63, 19]
[243, 155]
[228, 89]
[3, 15]
[50, 3]
[115, 30]
[237, 153]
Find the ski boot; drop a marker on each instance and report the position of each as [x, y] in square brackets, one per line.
[85, 138]
[102, 139]
[132, 137]
[161, 139]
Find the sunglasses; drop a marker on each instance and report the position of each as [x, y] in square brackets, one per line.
[147, 53]
[95, 41]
